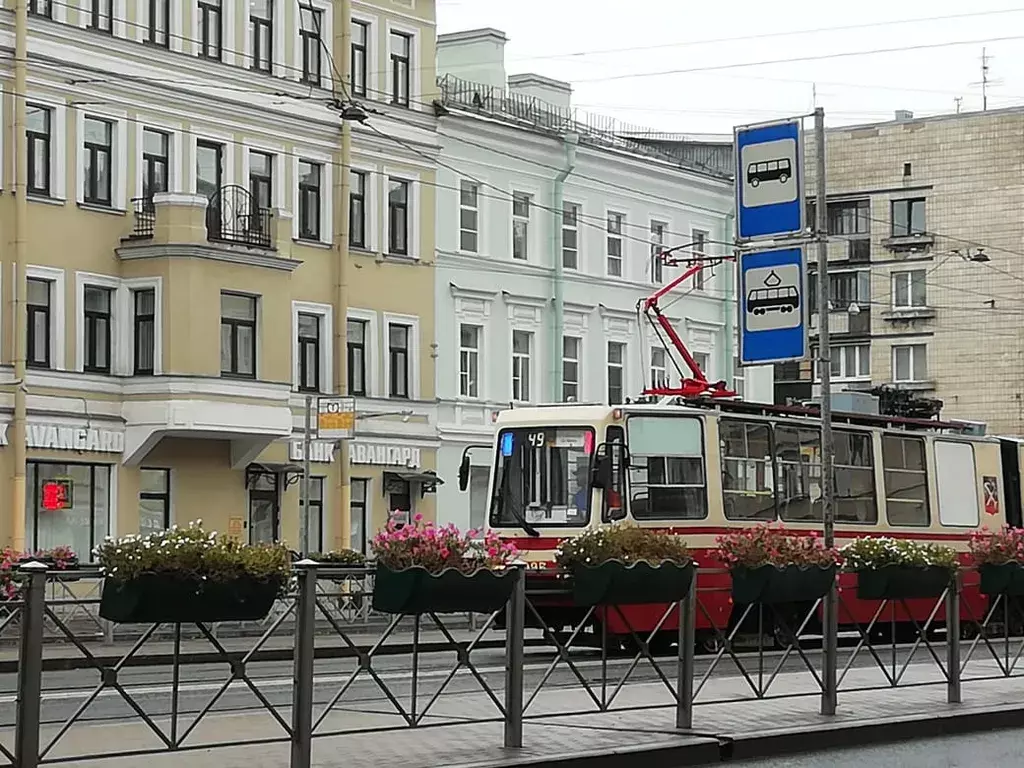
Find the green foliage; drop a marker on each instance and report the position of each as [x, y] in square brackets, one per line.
[875, 552]
[191, 552]
[340, 557]
[626, 543]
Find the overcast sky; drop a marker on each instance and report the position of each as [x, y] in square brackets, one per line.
[610, 56]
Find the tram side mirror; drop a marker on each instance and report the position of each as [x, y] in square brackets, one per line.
[464, 473]
[601, 471]
[608, 474]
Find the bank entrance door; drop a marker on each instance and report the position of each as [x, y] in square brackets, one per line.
[264, 508]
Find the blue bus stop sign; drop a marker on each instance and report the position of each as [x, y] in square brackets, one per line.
[769, 180]
[772, 306]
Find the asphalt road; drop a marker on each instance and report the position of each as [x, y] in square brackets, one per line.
[996, 748]
[65, 691]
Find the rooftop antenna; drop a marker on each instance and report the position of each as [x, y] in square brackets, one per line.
[958, 100]
[985, 81]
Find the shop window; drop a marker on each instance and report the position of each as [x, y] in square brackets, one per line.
[399, 497]
[359, 530]
[154, 500]
[82, 521]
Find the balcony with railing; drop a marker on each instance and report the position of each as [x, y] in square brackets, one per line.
[233, 216]
[145, 217]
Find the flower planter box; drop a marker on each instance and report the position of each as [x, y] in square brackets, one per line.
[1005, 579]
[614, 582]
[415, 591]
[51, 565]
[163, 599]
[771, 585]
[902, 582]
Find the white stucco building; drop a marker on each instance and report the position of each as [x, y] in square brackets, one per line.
[546, 226]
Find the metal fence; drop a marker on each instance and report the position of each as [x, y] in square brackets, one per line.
[319, 667]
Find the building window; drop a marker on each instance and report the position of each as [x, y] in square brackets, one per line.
[657, 245]
[315, 519]
[849, 362]
[739, 378]
[261, 179]
[616, 371]
[522, 343]
[356, 341]
[155, 162]
[157, 29]
[571, 368]
[659, 367]
[469, 216]
[359, 528]
[401, 54]
[520, 226]
[699, 240]
[570, 236]
[399, 497]
[209, 168]
[42, 8]
[38, 294]
[38, 136]
[145, 331]
[846, 288]
[210, 29]
[101, 14]
[398, 359]
[83, 525]
[908, 217]
[910, 362]
[850, 217]
[261, 29]
[154, 500]
[238, 335]
[908, 289]
[398, 217]
[469, 360]
[615, 221]
[97, 329]
[703, 362]
[98, 152]
[311, 22]
[357, 210]
[309, 352]
[360, 39]
[309, 200]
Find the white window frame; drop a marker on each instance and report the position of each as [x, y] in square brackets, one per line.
[623, 365]
[578, 207]
[620, 236]
[579, 366]
[739, 378]
[58, 139]
[372, 204]
[327, 31]
[229, 53]
[414, 352]
[118, 26]
[478, 352]
[863, 354]
[700, 279]
[230, 145]
[127, 305]
[657, 245]
[477, 209]
[118, 365]
[660, 376]
[415, 55]
[908, 274]
[58, 311]
[326, 195]
[174, 36]
[326, 314]
[413, 207]
[528, 219]
[174, 147]
[513, 356]
[373, 349]
[373, 72]
[913, 362]
[279, 47]
[279, 153]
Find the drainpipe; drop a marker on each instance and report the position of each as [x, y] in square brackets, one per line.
[729, 309]
[570, 142]
[20, 255]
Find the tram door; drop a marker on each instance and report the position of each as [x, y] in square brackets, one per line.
[1010, 454]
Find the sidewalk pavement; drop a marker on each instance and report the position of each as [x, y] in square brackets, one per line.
[734, 728]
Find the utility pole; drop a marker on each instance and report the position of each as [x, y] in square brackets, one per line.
[831, 601]
[20, 257]
[958, 100]
[984, 80]
[307, 444]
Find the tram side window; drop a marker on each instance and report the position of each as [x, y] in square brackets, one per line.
[666, 468]
[746, 470]
[798, 486]
[906, 480]
[855, 478]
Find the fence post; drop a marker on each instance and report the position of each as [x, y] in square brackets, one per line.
[30, 666]
[515, 630]
[953, 640]
[305, 650]
[687, 641]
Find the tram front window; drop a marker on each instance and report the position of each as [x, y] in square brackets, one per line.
[542, 477]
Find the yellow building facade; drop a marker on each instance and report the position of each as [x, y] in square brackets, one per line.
[179, 278]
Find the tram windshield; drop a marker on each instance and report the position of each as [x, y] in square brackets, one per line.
[542, 477]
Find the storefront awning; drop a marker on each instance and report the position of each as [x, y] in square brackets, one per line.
[291, 472]
[427, 479]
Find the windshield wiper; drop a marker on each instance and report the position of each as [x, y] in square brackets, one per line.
[516, 514]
